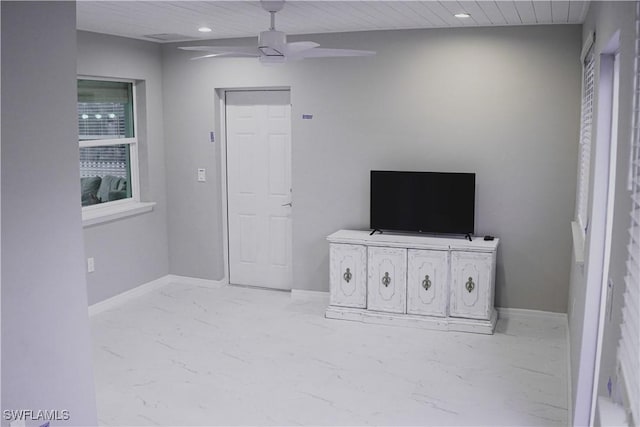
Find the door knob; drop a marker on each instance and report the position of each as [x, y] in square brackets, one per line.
[287, 204]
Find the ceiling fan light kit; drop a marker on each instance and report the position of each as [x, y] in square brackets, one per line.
[273, 47]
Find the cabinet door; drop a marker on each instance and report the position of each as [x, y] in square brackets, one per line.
[348, 275]
[472, 284]
[387, 280]
[427, 282]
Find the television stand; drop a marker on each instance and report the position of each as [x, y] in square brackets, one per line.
[468, 237]
[412, 280]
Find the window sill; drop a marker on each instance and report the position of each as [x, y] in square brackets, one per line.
[578, 242]
[112, 213]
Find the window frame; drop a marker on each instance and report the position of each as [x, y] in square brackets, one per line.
[588, 61]
[106, 208]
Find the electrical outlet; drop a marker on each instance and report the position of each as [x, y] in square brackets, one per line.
[202, 175]
[91, 265]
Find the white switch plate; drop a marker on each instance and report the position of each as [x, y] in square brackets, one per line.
[202, 175]
[17, 423]
[91, 265]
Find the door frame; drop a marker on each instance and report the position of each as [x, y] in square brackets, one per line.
[221, 124]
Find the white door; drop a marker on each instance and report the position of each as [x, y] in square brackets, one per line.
[348, 275]
[387, 279]
[472, 284]
[427, 282]
[258, 127]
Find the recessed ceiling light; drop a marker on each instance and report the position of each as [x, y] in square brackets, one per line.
[204, 29]
[462, 15]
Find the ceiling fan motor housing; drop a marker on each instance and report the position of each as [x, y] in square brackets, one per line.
[273, 44]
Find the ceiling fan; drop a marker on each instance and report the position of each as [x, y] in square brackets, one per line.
[273, 47]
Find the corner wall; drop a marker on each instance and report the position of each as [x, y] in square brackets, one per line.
[134, 250]
[46, 352]
[502, 102]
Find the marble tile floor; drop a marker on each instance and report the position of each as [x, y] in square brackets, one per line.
[195, 355]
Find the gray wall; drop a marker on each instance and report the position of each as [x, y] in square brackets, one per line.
[605, 18]
[130, 251]
[46, 354]
[500, 102]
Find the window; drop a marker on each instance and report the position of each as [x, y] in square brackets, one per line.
[584, 159]
[108, 142]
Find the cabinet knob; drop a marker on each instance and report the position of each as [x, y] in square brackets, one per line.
[386, 279]
[426, 283]
[470, 285]
[347, 275]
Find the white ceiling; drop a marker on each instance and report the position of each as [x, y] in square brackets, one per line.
[179, 20]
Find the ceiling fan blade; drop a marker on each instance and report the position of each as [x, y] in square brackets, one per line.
[328, 53]
[295, 47]
[245, 50]
[228, 55]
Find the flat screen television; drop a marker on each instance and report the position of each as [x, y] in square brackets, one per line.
[427, 202]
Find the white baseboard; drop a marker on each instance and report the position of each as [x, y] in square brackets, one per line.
[120, 299]
[145, 288]
[304, 295]
[512, 313]
[569, 380]
[172, 278]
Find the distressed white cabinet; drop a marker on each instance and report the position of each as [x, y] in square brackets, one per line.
[413, 280]
[348, 265]
[387, 279]
[427, 282]
[472, 284]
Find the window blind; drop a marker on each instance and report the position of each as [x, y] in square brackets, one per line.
[101, 120]
[105, 160]
[105, 110]
[629, 345]
[586, 121]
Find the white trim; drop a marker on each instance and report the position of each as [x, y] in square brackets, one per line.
[145, 288]
[595, 264]
[134, 165]
[112, 212]
[578, 242]
[85, 143]
[196, 281]
[221, 94]
[514, 313]
[612, 64]
[569, 380]
[591, 39]
[222, 136]
[305, 295]
[127, 296]
[107, 79]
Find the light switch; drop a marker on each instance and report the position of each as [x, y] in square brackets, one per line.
[202, 175]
